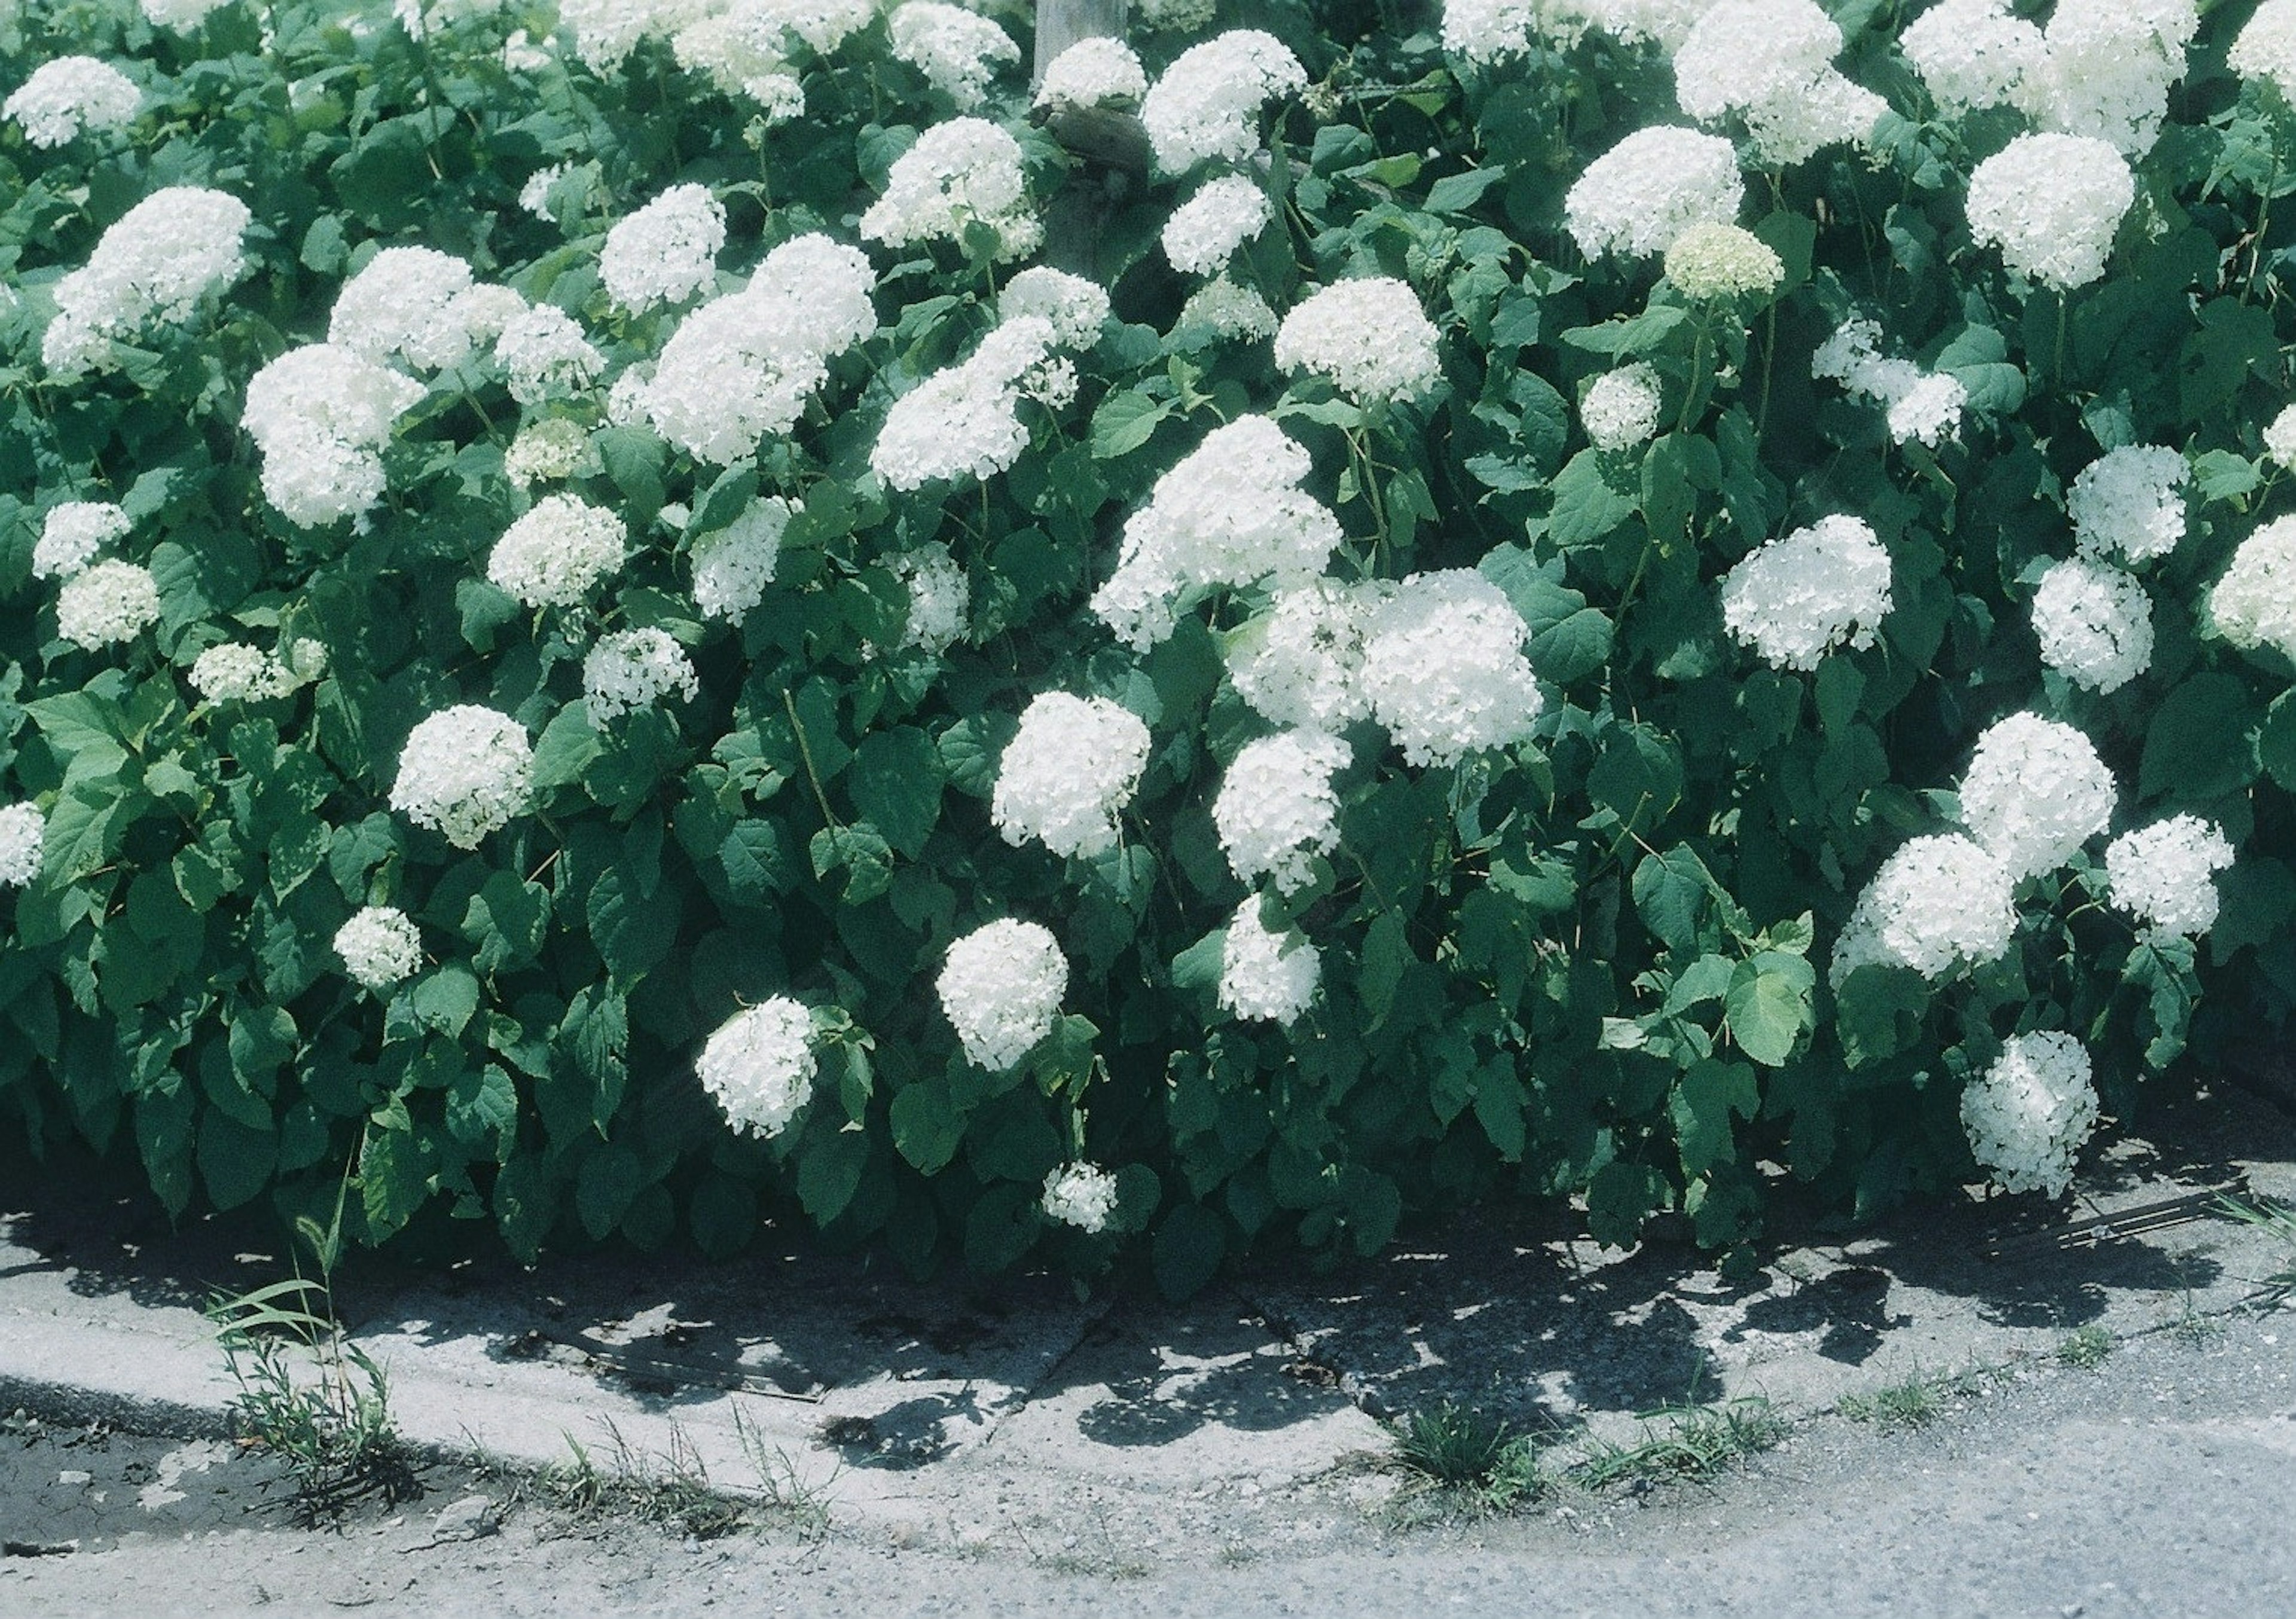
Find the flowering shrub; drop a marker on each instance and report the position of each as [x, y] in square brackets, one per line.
[646, 618]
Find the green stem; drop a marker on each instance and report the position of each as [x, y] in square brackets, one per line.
[812, 775]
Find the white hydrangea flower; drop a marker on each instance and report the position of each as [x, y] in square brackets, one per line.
[1231, 513]
[403, 306]
[2165, 874]
[744, 49]
[1000, 986]
[584, 186]
[758, 1066]
[1938, 902]
[156, 261]
[1264, 974]
[965, 421]
[71, 94]
[1368, 337]
[1622, 407]
[742, 367]
[1639, 197]
[466, 771]
[2129, 502]
[1206, 230]
[2051, 202]
[1094, 72]
[547, 452]
[2280, 438]
[2036, 790]
[824, 25]
[666, 252]
[1922, 407]
[957, 51]
[2254, 603]
[966, 171]
[1715, 262]
[1207, 103]
[520, 54]
[2265, 48]
[2029, 1116]
[1796, 598]
[1067, 773]
[321, 415]
[72, 534]
[940, 597]
[1664, 22]
[542, 350]
[1971, 53]
[1074, 307]
[2107, 68]
[1771, 62]
[732, 565]
[380, 946]
[633, 669]
[557, 551]
[236, 672]
[1300, 663]
[180, 16]
[23, 834]
[420, 18]
[1487, 31]
[1222, 311]
[1276, 810]
[606, 31]
[2094, 624]
[108, 603]
[1444, 669]
[1081, 1195]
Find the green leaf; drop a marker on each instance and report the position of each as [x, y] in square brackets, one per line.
[1619, 1199]
[2196, 744]
[1456, 193]
[758, 861]
[235, 1160]
[395, 1180]
[1878, 1012]
[2275, 743]
[722, 1215]
[829, 1173]
[1190, 1243]
[1709, 1093]
[927, 1127]
[482, 1109]
[1769, 1005]
[1669, 889]
[1125, 422]
[507, 919]
[633, 930]
[1585, 507]
[896, 780]
[607, 1183]
[633, 460]
[447, 1000]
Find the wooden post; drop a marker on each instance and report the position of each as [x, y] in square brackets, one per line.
[1061, 23]
[1110, 143]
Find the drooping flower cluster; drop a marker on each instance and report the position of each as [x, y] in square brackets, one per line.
[1796, 598]
[957, 51]
[1483, 31]
[1276, 810]
[557, 551]
[235, 671]
[1068, 771]
[2051, 204]
[1232, 512]
[106, 603]
[2107, 68]
[2165, 874]
[2094, 624]
[758, 1066]
[743, 49]
[2129, 502]
[466, 771]
[68, 95]
[1771, 63]
[2027, 1117]
[1622, 407]
[732, 565]
[1206, 230]
[966, 171]
[1444, 669]
[1640, 196]
[1000, 988]
[940, 597]
[156, 261]
[380, 946]
[2035, 792]
[1265, 974]
[548, 452]
[72, 534]
[1369, 338]
[2280, 438]
[965, 421]
[1716, 262]
[666, 252]
[321, 415]
[1923, 406]
[1207, 104]
[2254, 603]
[1301, 662]
[1081, 1195]
[632, 669]
[23, 835]
[179, 16]
[1074, 307]
[1221, 310]
[1938, 902]
[1096, 71]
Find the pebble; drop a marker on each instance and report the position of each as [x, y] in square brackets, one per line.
[470, 1518]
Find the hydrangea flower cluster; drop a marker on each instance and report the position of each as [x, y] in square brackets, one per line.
[1938, 902]
[1073, 764]
[1221, 310]
[2254, 603]
[72, 534]
[2129, 502]
[2094, 624]
[2030, 1115]
[940, 597]
[106, 603]
[1971, 53]
[1796, 598]
[2035, 792]
[155, 262]
[744, 49]
[732, 565]
[1717, 262]
[2265, 48]
[758, 1066]
[966, 171]
[1230, 514]
[1639, 197]
[548, 452]
[466, 771]
[1301, 662]
[556, 553]
[1075, 308]
[957, 51]
[1000, 987]
[23, 836]
[1485, 32]
[68, 95]
[965, 421]
[234, 671]
[1081, 1195]
[1369, 338]
[1265, 974]
[1771, 63]
[632, 669]
[665, 253]
[2051, 204]
[406, 305]
[2106, 69]
[1207, 104]
[1097, 72]
[542, 351]
[2165, 874]
[1276, 810]
[1444, 669]
[321, 415]
[2280, 438]
[380, 946]
[1923, 406]
[1206, 230]
[1622, 407]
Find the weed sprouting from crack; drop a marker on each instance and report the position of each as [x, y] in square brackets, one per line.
[1916, 1402]
[673, 1490]
[2087, 1348]
[1475, 1460]
[2277, 1220]
[1689, 1440]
